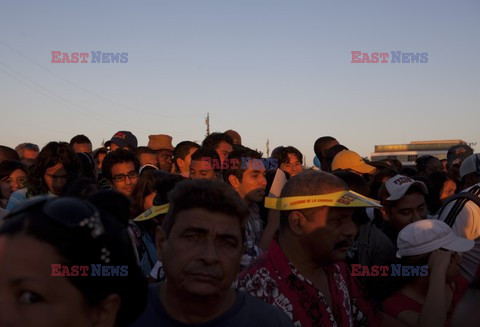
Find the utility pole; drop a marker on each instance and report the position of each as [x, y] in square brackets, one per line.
[207, 122]
[268, 149]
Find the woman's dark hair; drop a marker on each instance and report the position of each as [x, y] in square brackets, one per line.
[87, 165]
[354, 181]
[147, 183]
[59, 222]
[82, 188]
[52, 154]
[9, 166]
[436, 180]
[281, 154]
[378, 178]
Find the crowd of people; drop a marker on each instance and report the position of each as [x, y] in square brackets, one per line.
[215, 234]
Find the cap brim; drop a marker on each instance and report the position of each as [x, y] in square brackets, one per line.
[152, 212]
[460, 244]
[364, 169]
[345, 199]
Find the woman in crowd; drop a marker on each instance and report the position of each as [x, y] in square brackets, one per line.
[427, 291]
[151, 189]
[63, 262]
[55, 168]
[13, 176]
[289, 159]
[440, 186]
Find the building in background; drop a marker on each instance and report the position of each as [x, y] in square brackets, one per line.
[408, 153]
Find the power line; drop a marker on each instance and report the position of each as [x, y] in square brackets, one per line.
[93, 93]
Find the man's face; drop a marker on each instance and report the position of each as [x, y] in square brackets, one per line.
[56, 178]
[223, 149]
[29, 154]
[82, 147]
[407, 210]
[113, 146]
[122, 183]
[201, 169]
[253, 184]
[148, 158]
[165, 159]
[293, 167]
[202, 254]
[328, 233]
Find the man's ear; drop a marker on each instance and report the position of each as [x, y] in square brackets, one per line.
[233, 180]
[105, 313]
[296, 221]
[160, 239]
[384, 212]
[180, 163]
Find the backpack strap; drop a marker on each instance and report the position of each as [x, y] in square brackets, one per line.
[463, 197]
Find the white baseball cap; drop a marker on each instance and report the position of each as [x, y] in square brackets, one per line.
[428, 235]
[398, 185]
[470, 165]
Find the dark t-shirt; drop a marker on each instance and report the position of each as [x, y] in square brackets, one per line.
[246, 311]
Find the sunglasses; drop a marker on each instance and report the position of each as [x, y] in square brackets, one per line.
[68, 212]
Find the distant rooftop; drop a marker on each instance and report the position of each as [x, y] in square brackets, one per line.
[437, 145]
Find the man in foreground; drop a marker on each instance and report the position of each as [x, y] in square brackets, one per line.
[200, 244]
[304, 273]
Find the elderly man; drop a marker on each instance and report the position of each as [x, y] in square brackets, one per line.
[201, 244]
[304, 273]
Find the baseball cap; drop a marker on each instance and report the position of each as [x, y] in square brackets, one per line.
[457, 153]
[470, 165]
[398, 185]
[123, 139]
[350, 160]
[428, 235]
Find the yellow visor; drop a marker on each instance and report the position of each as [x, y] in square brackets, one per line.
[152, 212]
[344, 199]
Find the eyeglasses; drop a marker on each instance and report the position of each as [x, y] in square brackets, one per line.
[70, 213]
[122, 177]
[21, 181]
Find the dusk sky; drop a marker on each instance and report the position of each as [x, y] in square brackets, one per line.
[271, 69]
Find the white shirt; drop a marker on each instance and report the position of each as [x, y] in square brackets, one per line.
[467, 225]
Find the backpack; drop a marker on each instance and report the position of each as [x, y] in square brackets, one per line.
[462, 197]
